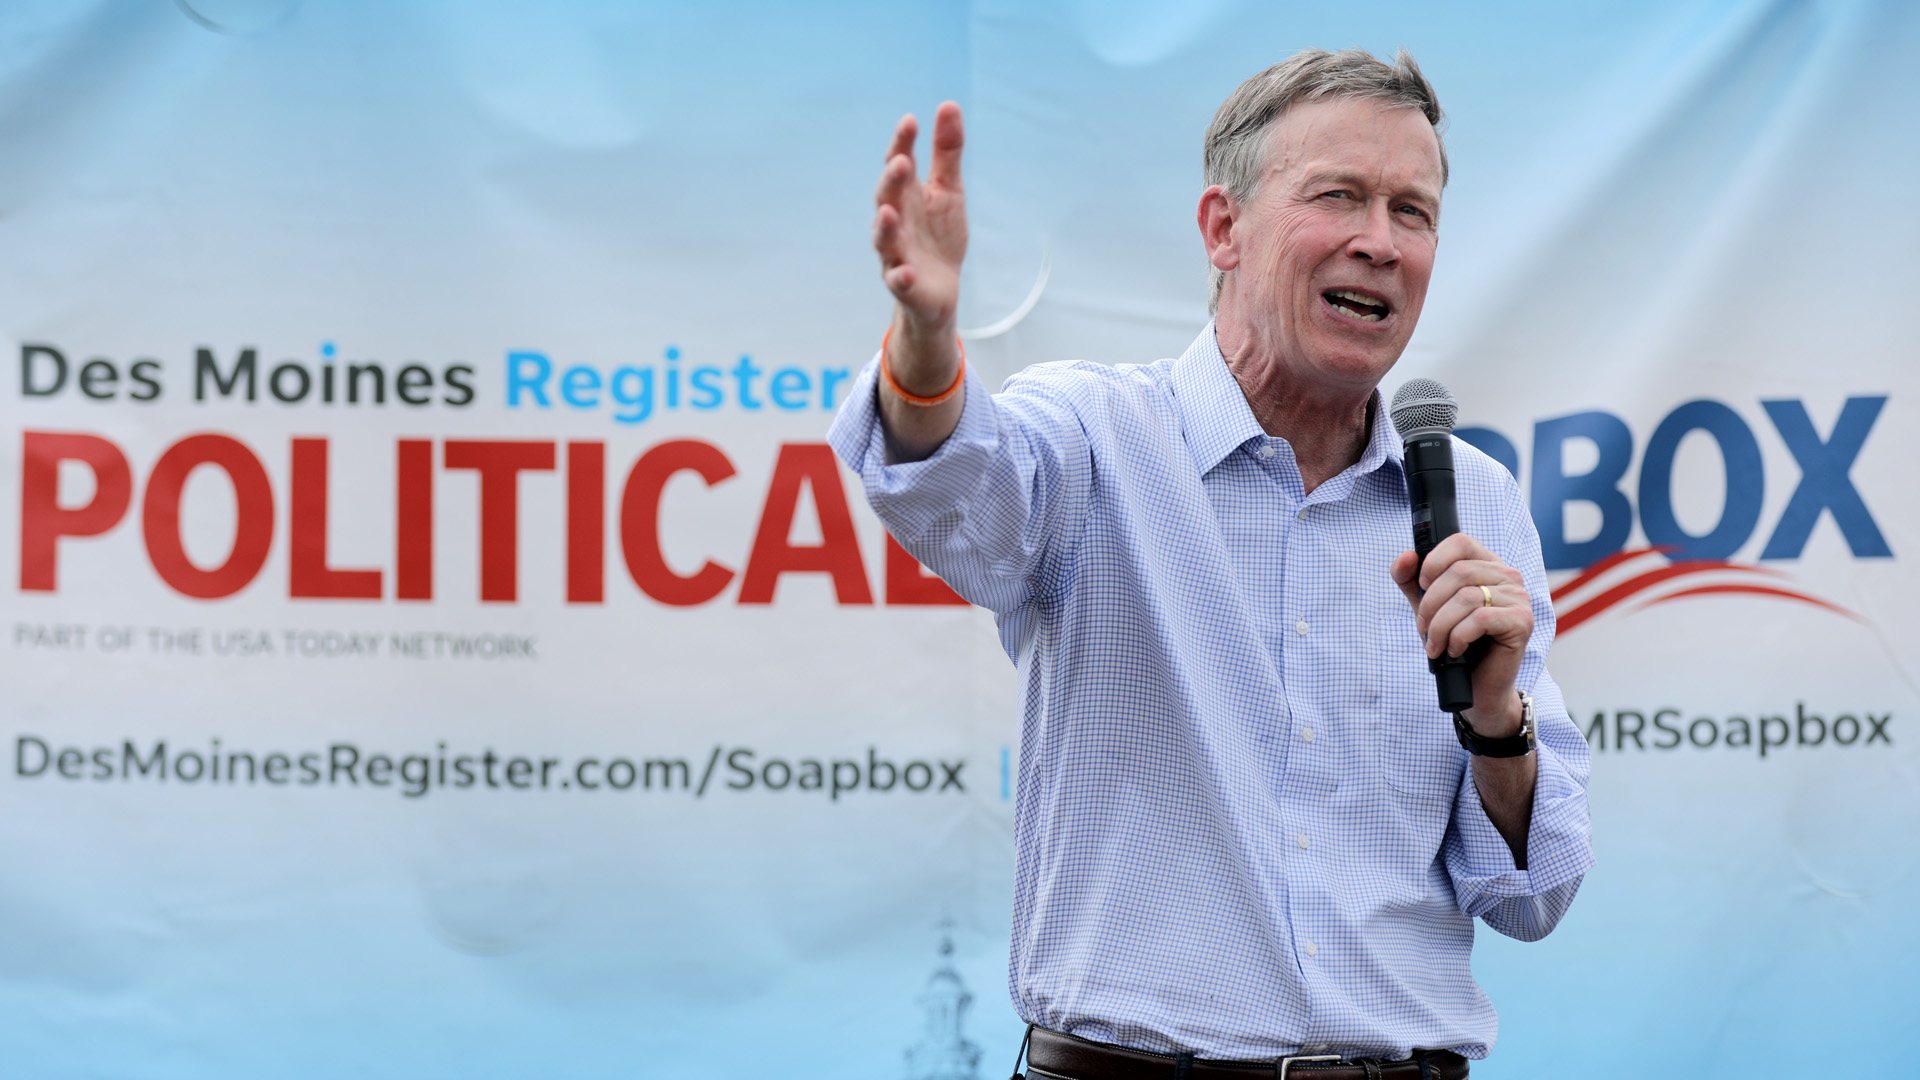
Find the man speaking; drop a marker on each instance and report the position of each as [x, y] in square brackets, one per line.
[1249, 841]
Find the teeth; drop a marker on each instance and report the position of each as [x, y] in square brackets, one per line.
[1375, 309]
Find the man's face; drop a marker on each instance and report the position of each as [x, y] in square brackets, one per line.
[1336, 245]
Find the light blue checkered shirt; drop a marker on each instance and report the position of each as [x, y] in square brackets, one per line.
[1244, 827]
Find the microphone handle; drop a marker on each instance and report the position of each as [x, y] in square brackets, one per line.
[1436, 516]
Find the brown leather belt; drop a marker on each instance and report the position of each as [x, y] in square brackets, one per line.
[1068, 1057]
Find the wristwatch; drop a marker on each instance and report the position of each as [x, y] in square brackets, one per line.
[1517, 745]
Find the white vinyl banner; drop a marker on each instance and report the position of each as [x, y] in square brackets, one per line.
[439, 642]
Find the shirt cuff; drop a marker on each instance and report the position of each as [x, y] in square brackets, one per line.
[910, 497]
[1558, 852]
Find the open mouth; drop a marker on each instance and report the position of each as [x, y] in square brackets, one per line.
[1356, 305]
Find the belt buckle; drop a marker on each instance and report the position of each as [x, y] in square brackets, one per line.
[1281, 1073]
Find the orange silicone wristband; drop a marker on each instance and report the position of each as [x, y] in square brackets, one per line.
[915, 399]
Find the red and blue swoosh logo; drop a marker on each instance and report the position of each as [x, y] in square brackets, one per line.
[1645, 577]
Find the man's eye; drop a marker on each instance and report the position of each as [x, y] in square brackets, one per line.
[1335, 195]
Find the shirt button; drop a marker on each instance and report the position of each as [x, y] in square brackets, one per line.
[1302, 515]
[1265, 451]
[1300, 627]
[1307, 734]
[1312, 950]
[1303, 841]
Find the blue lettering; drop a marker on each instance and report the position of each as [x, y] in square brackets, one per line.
[1493, 444]
[829, 378]
[744, 372]
[581, 387]
[1824, 480]
[706, 394]
[1553, 489]
[1746, 481]
[535, 383]
[634, 391]
[789, 381]
[640, 398]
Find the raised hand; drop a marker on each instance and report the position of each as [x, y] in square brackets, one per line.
[920, 232]
[920, 229]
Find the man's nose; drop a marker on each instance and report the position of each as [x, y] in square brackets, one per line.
[1375, 241]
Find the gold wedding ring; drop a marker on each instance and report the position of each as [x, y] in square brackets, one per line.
[1486, 596]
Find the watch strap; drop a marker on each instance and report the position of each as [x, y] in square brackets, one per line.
[1518, 744]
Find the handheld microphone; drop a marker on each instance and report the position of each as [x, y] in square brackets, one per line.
[1423, 413]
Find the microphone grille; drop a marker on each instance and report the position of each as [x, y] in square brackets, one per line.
[1423, 407]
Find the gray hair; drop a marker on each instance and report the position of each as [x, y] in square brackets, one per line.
[1236, 148]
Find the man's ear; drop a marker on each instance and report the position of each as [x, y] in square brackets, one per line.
[1217, 213]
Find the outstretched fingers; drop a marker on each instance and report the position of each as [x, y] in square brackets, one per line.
[895, 268]
[904, 133]
[891, 197]
[919, 229]
[949, 138]
[886, 235]
[896, 181]
[897, 175]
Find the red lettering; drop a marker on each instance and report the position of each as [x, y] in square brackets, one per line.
[798, 467]
[586, 522]
[837, 554]
[413, 522]
[640, 522]
[308, 575]
[909, 583]
[499, 464]
[43, 521]
[253, 525]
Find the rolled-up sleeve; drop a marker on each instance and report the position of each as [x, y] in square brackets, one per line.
[1527, 904]
[988, 509]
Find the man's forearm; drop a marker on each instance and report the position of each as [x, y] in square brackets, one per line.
[1506, 784]
[1506, 793]
[925, 362]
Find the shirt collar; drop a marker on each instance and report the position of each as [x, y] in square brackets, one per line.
[1216, 419]
[1383, 445]
[1214, 414]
